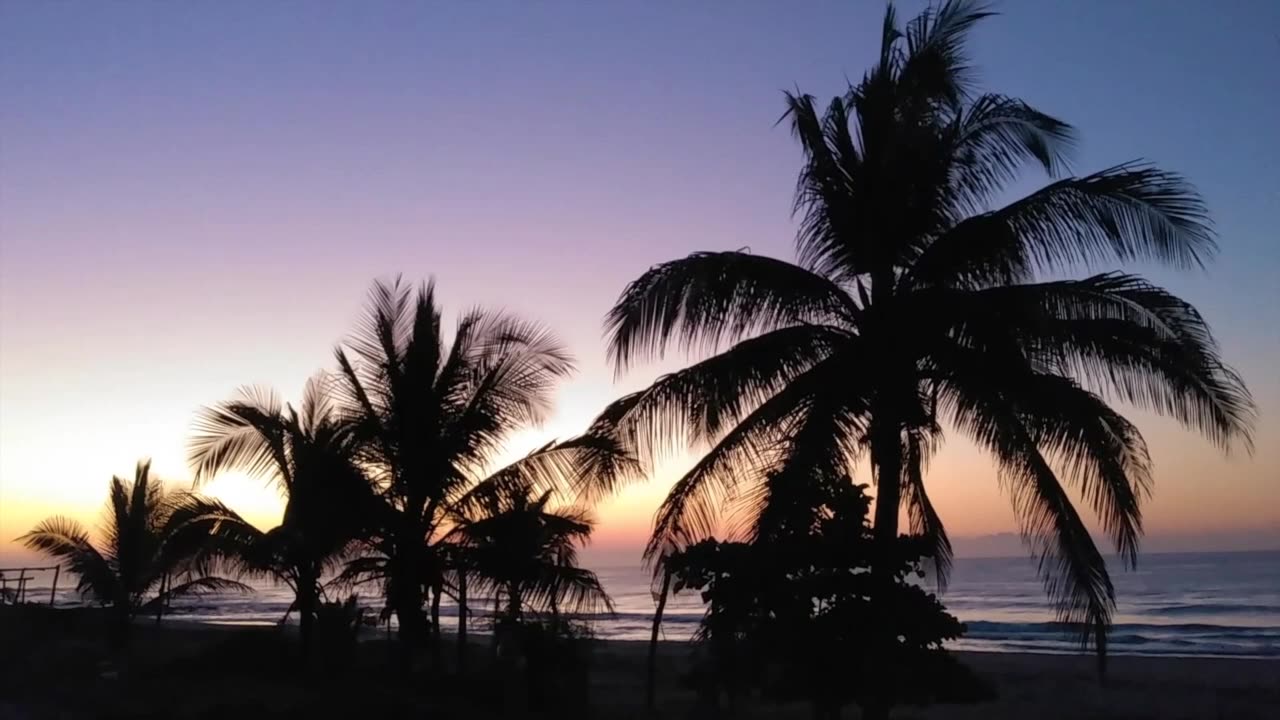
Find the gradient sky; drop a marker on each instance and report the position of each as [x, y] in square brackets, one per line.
[196, 195]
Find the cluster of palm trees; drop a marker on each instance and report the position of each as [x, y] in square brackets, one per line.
[917, 302]
[388, 471]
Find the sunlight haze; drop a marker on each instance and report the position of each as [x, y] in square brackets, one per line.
[185, 210]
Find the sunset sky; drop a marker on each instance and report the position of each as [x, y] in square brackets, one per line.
[195, 196]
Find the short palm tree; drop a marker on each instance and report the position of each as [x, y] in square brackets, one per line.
[432, 418]
[150, 538]
[523, 553]
[310, 457]
[918, 302]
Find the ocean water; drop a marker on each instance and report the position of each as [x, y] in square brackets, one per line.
[1191, 604]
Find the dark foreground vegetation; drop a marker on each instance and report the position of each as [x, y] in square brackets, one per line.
[918, 301]
[58, 664]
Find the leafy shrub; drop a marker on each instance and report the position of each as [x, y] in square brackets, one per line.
[791, 612]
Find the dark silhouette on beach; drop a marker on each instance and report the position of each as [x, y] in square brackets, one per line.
[310, 455]
[917, 302]
[149, 540]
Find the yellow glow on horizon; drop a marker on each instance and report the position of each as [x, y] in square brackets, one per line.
[39, 476]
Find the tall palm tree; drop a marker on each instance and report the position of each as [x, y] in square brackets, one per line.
[150, 537]
[918, 302]
[310, 457]
[433, 416]
[524, 553]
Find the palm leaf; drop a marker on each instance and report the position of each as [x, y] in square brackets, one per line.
[67, 541]
[707, 299]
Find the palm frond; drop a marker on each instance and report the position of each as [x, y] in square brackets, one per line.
[198, 587]
[923, 517]
[203, 536]
[1097, 449]
[246, 434]
[816, 450]
[575, 591]
[933, 67]
[743, 458]
[993, 138]
[67, 541]
[1073, 571]
[388, 324]
[707, 299]
[828, 241]
[696, 405]
[1124, 337]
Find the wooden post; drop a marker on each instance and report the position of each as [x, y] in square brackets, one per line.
[53, 589]
[22, 585]
[462, 620]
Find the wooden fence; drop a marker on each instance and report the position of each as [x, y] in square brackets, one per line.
[13, 591]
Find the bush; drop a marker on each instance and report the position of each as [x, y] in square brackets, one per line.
[791, 613]
[337, 629]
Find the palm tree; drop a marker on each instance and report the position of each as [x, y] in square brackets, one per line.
[524, 553]
[432, 418]
[310, 457]
[149, 538]
[917, 303]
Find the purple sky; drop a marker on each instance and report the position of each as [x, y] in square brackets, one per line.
[196, 195]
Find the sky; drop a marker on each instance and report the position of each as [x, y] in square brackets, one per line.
[196, 196]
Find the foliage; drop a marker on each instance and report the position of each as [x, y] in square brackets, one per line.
[553, 655]
[150, 538]
[791, 611]
[310, 456]
[431, 417]
[337, 629]
[918, 302]
[524, 554]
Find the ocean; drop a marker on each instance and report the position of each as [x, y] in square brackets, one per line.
[1188, 604]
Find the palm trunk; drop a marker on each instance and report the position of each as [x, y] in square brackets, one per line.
[462, 620]
[555, 604]
[406, 592]
[306, 602]
[437, 590]
[497, 612]
[652, 678]
[160, 598]
[886, 456]
[515, 603]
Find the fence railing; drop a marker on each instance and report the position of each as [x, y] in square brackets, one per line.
[13, 591]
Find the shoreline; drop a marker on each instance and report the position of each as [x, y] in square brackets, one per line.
[379, 633]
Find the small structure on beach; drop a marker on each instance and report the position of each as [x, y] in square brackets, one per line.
[13, 590]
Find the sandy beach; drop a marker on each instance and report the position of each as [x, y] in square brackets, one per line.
[55, 665]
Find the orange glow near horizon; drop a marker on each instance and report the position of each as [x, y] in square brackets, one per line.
[40, 481]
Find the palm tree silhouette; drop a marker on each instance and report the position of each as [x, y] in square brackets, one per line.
[433, 417]
[916, 303]
[524, 552]
[310, 456]
[150, 537]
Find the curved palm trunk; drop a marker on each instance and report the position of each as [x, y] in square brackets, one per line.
[651, 680]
